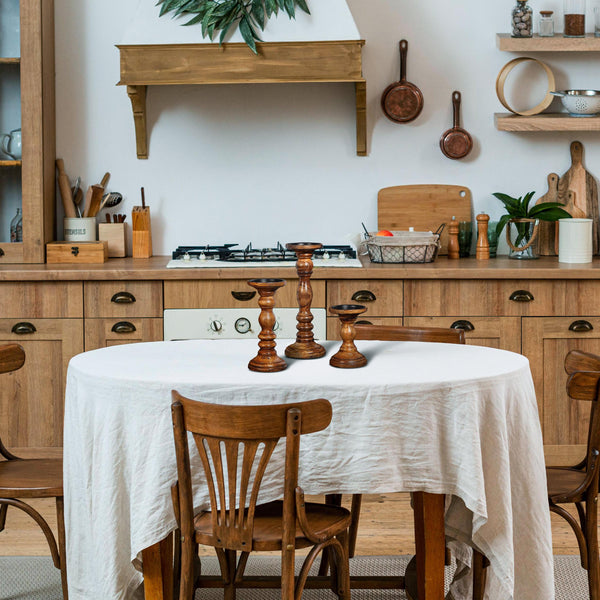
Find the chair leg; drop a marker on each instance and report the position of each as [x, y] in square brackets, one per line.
[353, 529]
[342, 569]
[334, 500]
[479, 565]
[60, 519]
[3, 511]
[591, 535]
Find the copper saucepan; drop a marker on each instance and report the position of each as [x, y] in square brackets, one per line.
[402, 101]
[456, 142]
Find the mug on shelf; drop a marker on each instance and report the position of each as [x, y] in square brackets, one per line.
[11, 144]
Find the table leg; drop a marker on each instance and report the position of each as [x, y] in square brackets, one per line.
[430, 544]
[157, 563]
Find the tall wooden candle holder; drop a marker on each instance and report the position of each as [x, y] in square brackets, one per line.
[305, 345]
[347, 357]
[267, 361]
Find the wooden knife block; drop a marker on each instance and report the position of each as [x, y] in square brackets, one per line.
[141, 232]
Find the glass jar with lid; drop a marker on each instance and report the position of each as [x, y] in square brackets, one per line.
[546, 23]
[522, 20]
[574, 18]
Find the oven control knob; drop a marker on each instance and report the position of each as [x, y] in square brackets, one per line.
[216, 325]
[242, 325]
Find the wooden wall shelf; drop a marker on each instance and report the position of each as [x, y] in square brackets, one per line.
[210, 64]
[557, 43]
[545, 122]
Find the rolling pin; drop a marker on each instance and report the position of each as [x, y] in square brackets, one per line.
[65, 190]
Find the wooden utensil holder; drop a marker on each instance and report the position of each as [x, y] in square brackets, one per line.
[141, 232]
[115, 235]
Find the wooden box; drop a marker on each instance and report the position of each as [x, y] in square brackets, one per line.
[76, 252]
[115, 235]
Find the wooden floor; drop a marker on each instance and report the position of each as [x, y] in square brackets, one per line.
[385, 529]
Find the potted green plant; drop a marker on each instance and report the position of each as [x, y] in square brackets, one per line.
[522, 221]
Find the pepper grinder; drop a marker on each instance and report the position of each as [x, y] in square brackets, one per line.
[482, 252]
[453, 247]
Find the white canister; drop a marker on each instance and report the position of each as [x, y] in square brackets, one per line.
[575, 240]
[81, 229]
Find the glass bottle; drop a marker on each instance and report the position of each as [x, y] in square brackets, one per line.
[522, 20]
[546, 23]
[16, 227]
[574, 18]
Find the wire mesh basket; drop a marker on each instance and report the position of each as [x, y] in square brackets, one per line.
[403, 247]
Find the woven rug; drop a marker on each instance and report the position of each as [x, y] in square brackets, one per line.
[35, 578]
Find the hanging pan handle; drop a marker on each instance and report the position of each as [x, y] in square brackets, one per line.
[403, 53]
[456, 104]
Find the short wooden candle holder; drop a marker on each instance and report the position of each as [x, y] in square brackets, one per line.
[305, 345]
[267, 360]
[347, 357]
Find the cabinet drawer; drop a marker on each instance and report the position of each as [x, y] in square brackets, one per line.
[501, 297]
[37, 300]
[101, 333]
[233, 293]
[123, 299]
[382, 298]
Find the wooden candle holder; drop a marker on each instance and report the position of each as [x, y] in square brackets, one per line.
[347, 357]
[305, 345]
[267, 360]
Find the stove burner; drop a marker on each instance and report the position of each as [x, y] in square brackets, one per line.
[228, 253]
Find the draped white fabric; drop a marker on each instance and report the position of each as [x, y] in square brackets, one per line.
[439, 418]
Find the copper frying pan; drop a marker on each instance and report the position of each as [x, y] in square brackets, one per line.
[402, 101]
[456, 142]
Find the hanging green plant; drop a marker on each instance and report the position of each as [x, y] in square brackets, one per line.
[221, 15]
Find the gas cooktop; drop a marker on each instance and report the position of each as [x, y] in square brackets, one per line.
[230, 255]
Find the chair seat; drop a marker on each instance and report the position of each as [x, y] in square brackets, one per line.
[563, 483]
[268, 525]
[31, 478]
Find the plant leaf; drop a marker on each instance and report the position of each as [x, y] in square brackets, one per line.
[501, 223]
[247, 33]
[290, 8]
[511, 204]
[303, 6]
[552, 214]
[527, 200]
[258, 12]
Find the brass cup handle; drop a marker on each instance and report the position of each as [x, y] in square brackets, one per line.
[463, 324]
[521, 296]
[580, 326]
[123, 327]
[23, 328]
[243, 296]
[123, 298]
[363, 322]
[364, 296]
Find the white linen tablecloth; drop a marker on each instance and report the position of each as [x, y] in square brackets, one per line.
[440, 418]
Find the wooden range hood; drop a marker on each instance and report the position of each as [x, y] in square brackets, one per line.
[143, 65]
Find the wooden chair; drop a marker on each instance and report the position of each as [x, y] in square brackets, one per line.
[31, 478]
[235, 444]
[579, 484]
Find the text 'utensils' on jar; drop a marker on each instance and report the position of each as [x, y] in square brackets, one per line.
[546, 23]
[574, 18]
[522, 20]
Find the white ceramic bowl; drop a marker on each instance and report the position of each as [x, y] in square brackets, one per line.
[580, 103]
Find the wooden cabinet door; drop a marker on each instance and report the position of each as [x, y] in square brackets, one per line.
[546, 342]
[100, 333]
[494, 332]
[32, 398]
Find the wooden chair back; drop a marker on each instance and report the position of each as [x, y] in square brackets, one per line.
[399, 333]
[235, 444]
[578, 360]
[12, 358]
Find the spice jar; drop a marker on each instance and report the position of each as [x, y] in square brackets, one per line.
[522, 20]
[546, 23]
[574, 18]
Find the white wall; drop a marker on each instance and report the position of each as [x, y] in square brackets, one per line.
[278, 162]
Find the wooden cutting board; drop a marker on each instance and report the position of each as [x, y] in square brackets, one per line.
[424, 207]
[580, 181]
[547, 233]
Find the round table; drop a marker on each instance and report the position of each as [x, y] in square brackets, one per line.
[438, 418]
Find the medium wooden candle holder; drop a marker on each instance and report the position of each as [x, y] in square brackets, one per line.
[305, 345]
[347, 357]
[267, 361]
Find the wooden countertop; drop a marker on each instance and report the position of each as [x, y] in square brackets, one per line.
[155, 269]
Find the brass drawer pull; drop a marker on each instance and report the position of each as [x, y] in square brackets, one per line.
[123, 298]
[23, 328]
[363, 323]
[243, 296]
[364, 296]
[1, 252]
[463, 324]
[581, 326]
[123, 327]
[521, 296]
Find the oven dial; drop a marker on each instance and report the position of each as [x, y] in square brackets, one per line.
[242, 325]
[216, 325]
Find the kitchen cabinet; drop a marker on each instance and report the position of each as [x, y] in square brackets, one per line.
[27, 103]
